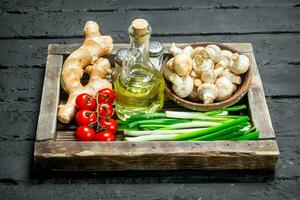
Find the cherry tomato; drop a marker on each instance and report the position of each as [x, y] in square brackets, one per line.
[109, 124]
[85, 133]
[86, 117]
[105, 136]
[85, 102]
[105, 110]
[106, 95]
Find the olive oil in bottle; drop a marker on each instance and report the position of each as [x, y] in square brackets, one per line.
[139, 87]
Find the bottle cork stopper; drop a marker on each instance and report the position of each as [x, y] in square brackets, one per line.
[140, 27]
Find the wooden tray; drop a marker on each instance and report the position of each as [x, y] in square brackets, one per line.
[57, 149]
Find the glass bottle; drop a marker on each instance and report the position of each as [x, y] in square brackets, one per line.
[140, 86]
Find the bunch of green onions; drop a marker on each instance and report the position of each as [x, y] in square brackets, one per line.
[189, 126]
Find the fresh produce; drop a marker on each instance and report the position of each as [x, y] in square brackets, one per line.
[105, 110]
[87, 58]
[190, 126]
[182, 86]
[85, 102]
[240, 65]
[109, 124]
[104, 136]
[85, 133]
[207, 74]
[86, 117]
[182, 64]
[207, 92]
[212, 52]
[96, 124]
[106, 95]
[225, 88]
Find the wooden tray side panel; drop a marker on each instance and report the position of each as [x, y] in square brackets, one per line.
[119, 156]
[257, 104]
[47, 121]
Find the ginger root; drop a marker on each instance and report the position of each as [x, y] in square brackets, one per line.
[85, 59]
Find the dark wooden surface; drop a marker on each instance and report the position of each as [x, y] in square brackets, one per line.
[27, 27]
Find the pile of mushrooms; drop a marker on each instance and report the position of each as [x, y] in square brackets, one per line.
[205, 73]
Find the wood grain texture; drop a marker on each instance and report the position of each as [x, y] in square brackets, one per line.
[258, 107]
[252, 20]
[142, 5]
[47, 121]
[110, 156]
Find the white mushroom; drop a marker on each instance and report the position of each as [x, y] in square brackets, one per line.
[232, 77]
[197, 51]
[226, 54]
[241, 64]
[225, 88]
[168, 70]
[182, 86]
[174, 50]
[197, 84]
[193, 74]
[213, 52]
[218, 72]
[182, 63]
[234, 87]
[208, 76]
[200, 64]
[207, 92]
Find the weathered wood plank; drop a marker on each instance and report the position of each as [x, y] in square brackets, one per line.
[114, 156]
[127, 5]
[64, 49]
[256, 20]
[258, 107]
[46, 128]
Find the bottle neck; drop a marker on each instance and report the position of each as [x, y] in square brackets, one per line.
[141, 45]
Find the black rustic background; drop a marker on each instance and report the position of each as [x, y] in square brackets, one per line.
[27, 27]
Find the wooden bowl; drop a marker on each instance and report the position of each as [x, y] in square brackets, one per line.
[194, 105]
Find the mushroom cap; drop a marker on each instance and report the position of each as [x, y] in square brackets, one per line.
[182, 86]
[225, 88]
[207, 92]
[182, 64]
[241, 64]
[213, 52]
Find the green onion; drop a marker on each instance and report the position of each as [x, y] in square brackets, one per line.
[158, 132]
[221, 132]
[157, 121]
[189, 135]
[194, 115]
[193, 124]
[235, 134]
[145, 116]
[232, 108]
[249, 136]
[153, 126]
